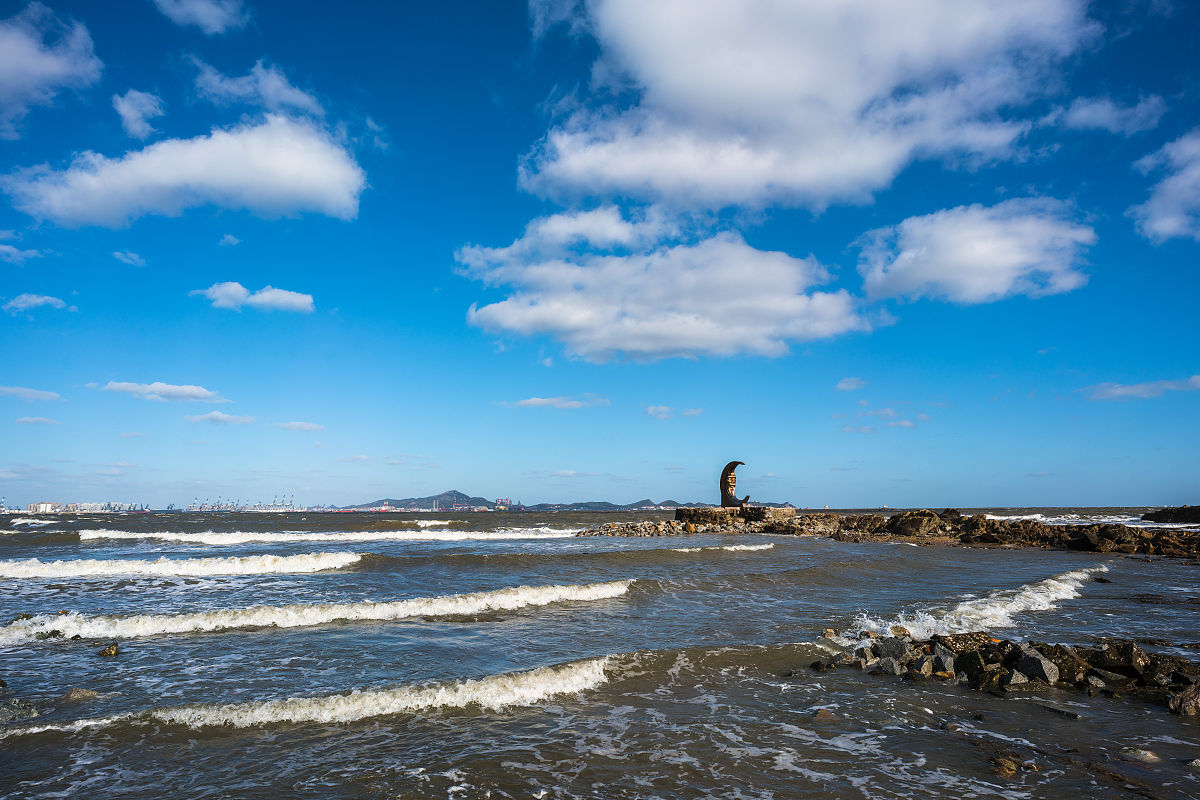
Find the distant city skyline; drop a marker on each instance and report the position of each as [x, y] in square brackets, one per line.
[928, 254]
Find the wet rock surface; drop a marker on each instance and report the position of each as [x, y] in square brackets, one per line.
[1175, 515]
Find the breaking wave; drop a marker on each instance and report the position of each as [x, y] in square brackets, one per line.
[27, 521]
[246, 537]
[298, 615]
[730, 547]
[986, 613]
[198, 567]
[432, 523]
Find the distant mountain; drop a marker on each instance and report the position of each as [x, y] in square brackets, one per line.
[443, 500]
[447, 500]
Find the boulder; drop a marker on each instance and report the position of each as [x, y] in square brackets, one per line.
[111, 650]
[887, 666]
[78, 695]
[1071, 668]
[958, 643]
[1175, 514]
[1122, 656]
[914, 523]
[891, 647]
[1034, 665]
[1186, 702]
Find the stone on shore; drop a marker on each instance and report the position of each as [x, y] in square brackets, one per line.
[77, 694]
[1174, 514]
[111, 650]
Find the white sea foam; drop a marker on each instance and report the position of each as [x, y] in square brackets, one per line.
[1130, 520]
[27, 521]
[432, 523]
[493, 693]
[237, 565]
[245, 537]
[730, 547]
[987, 613]
[294, 616]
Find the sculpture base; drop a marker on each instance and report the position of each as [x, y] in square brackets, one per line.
[710, 516]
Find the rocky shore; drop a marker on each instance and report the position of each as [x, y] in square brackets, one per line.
[919, 527]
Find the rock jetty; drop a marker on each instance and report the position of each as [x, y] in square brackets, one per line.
[1114, 668]
[1177, 514]
[919, 527]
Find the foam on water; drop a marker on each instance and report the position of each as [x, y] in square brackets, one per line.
[432, 523]
[1130, 520]
[198, 567]
[299, 615]
[246, 537]
[996, 610]
[729, 547]
[27, 521]
[493, 693]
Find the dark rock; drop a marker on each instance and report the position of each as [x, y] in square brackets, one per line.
[971, 664]
[1037, 667]
[1122, 656]
[958, 643]
[78, 695]
[891, 647]
[1186, 702]
[1174, 514]
[1064, 712]
[923, 667]
[951, 514]
[111, 650]
[887, 666]
[1013, 678]
[14, 709]
[824, 715]
[943, 662]
[52, 634]
[1071, 668]
[914, 523]
[990, 679]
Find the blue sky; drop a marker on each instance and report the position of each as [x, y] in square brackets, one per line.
[916, 253]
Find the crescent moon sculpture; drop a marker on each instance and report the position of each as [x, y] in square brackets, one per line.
[729, 487]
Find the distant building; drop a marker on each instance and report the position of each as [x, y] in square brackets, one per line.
[43, 508]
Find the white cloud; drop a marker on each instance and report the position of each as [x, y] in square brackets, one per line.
[803, 102]
[625, 295]
[1117, 391]
[40, 55]
[276, 167]
[25, 393]
[560, 402]
[15, 255]
[857, 429]
[233, 295]
[1174, 205]
[977, 254]
[37, 421]
[164, 391]
[1101, 113]
[886, 413]
[660, 412]
[850, 384]
[129, 257]
[902, 423]
[570, 473]
[136, 109]
[220, 418]
[299, 426]
[264, 86]
[25, 302]
[229, 240]
[210, 16]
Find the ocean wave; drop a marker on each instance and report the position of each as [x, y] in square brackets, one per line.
[303, 615]
[985, 613]
[737, 548]
[27, 521]
[197, 567]
[432, 523]
[248, 537]
[1129, 520]
[493, 693]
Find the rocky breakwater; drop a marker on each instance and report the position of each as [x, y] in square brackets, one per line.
[1114, 668]
[1177, 514]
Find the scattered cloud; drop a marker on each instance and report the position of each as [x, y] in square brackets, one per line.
[850, 384]
[15, 255]
[692, 412]
[570, 473]
[1117, 391]
[277, 167]
[660, 412]
[37, 421]
[1101, 113]
[42, 55]
[162, 392]
[265, 86]
[886, 413]
[26, 302]
[604, 292]
[129, 257]
[902, 423]
[233, 295]
[25, 393]
[220, 418]
[857, 429]
[977, 254]
[801, 103]
[210, 16]
[299, 426]
[229, 240]
[135, 110]
[1173, 209]
[560, 402]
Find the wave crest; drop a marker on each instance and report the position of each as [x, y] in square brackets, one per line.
[165, 567]
[246, 537]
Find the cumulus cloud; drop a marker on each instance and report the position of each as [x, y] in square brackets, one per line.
[164, 391]
[40, 55]
[265, 86]
[660, 412]
[233, 295]
[25, 393]
[15, 255]
[560, 402]
[136, 109]
[977, 254]
[220, 418]
[229, 240]
[210, 16]
[850, 384]
[129, 257]
[37, 421]
[605, 290]
[1118, 391]
[26, 302]
[299, 426]
[803, 102]
[1102, 113]
[1174, 205]
[276, 167]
